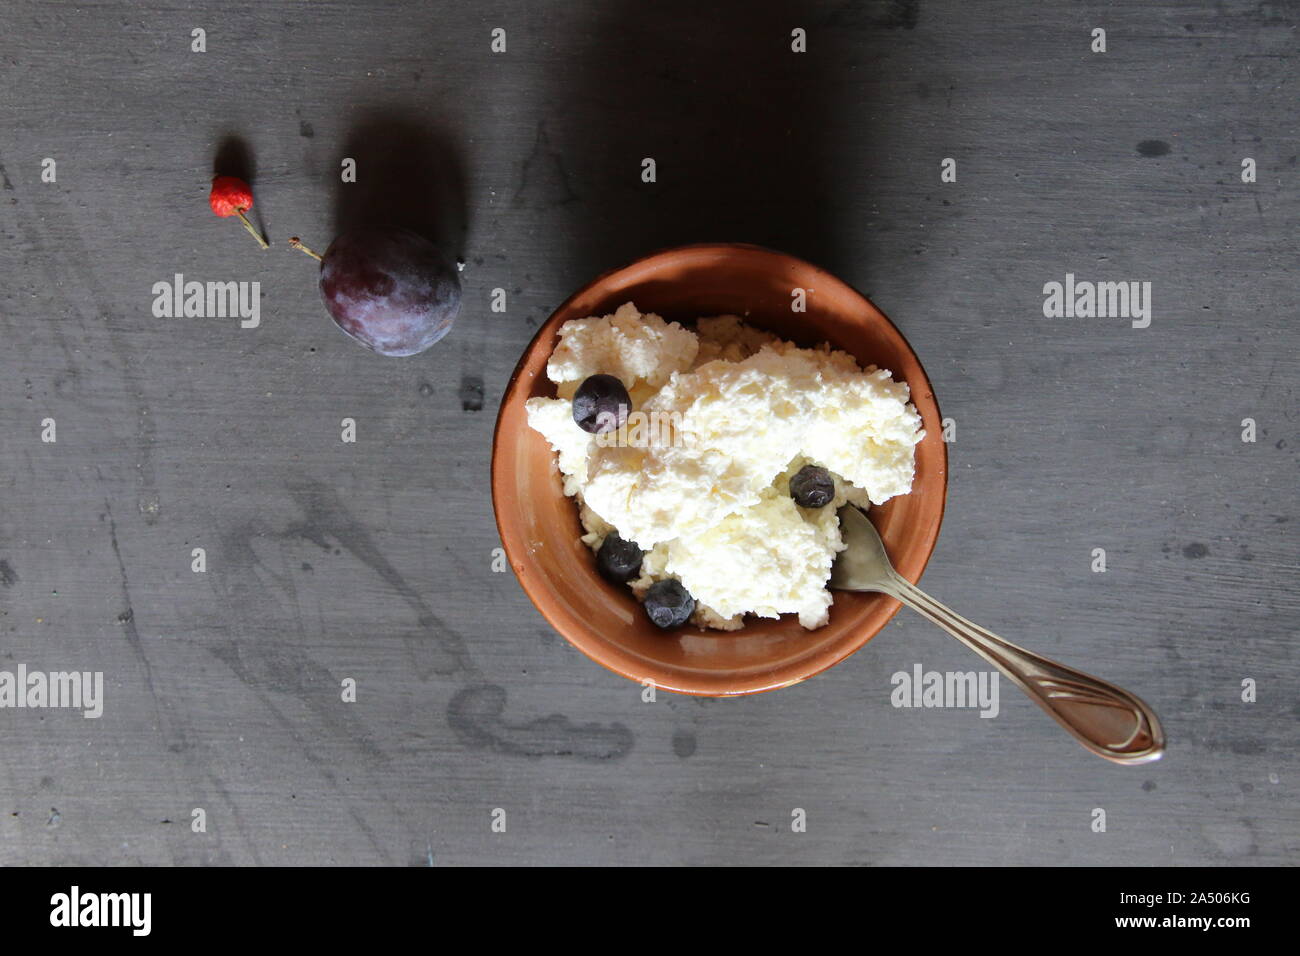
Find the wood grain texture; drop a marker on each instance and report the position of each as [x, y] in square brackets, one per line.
[373, 560]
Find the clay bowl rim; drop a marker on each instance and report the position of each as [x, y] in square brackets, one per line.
[712, 685]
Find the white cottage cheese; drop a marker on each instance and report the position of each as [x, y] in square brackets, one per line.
[709, 499]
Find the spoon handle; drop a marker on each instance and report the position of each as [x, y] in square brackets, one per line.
[1106, 719]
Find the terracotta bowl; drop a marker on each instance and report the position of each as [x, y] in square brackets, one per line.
[539, 525]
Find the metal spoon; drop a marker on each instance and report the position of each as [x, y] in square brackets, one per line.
[1110, 722]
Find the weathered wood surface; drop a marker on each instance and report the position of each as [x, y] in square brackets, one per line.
[373, 560]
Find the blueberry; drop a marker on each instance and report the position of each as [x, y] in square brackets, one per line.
[668, 603]
[601, 404]
[812, 487]
[617, 560]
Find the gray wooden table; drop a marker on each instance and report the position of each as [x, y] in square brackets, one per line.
[372, 561]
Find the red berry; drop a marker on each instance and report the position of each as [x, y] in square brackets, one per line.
[230, 196]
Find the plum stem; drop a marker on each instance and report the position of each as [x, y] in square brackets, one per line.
[303, 247]
[252, 229]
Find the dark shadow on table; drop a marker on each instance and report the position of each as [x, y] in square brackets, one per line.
[745, 132]
[234, 157]
[408, 174]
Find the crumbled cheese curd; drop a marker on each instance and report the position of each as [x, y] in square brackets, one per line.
[708, 501]
[641, 351]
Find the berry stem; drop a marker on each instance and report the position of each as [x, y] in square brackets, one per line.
[298, 244]
[251, 230]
